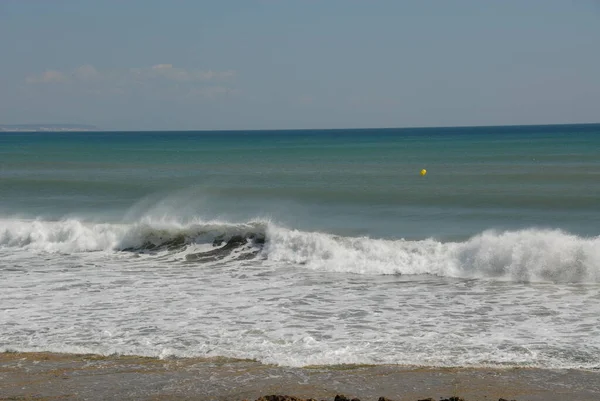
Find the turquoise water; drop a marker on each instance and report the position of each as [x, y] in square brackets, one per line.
[306, 247]
[350, 182]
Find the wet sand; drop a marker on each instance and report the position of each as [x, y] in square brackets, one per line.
[46, 376]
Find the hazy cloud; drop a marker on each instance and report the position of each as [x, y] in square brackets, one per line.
[169, 72]
[159, 71]
[46, 77]
[305, 100]
[85, 72]
[212, 92]
[159, 80]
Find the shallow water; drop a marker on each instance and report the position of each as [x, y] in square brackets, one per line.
[303, 248]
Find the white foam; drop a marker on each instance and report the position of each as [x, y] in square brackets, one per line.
[298, 305]
[526, 255]
[75, 236]
[64, 236]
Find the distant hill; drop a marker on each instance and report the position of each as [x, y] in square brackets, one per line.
[45, 127]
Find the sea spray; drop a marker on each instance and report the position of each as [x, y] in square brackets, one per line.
[523, 255]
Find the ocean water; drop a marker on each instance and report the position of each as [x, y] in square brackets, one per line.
[306, 247]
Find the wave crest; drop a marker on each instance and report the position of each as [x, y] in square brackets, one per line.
[524, 255]
[75, 236]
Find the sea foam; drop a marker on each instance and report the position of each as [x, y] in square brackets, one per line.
[524, 255]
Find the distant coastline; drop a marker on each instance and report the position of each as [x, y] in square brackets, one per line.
[45, 127]
[86, 127]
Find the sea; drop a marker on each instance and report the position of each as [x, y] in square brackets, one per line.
[307, 247]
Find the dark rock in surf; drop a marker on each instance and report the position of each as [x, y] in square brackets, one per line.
[279, 398]
[341, 397]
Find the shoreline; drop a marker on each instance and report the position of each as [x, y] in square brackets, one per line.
[53, 376]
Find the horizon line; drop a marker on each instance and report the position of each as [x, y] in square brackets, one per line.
[73, 128]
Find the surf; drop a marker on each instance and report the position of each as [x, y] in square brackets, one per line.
[529, 255]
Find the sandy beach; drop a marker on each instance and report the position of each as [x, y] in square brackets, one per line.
[48, 376]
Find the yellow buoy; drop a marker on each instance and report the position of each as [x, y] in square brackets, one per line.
[423, 172]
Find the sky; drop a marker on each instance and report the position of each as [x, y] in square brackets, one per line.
[298, 64]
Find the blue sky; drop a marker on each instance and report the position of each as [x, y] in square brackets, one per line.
[271, 64]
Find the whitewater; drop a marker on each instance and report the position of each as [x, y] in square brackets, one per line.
[531, 255]
[306, 248]
[279, 295]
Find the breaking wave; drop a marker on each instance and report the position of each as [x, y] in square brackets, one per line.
[524, 255]
[73, 236]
